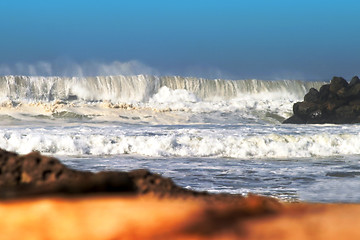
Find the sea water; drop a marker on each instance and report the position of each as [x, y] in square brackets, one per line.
[207, 135]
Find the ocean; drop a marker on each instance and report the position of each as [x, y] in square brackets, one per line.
[207, 135]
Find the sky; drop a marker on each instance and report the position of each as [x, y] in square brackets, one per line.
[233, 39]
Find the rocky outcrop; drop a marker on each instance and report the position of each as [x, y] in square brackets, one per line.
[337, 102]
[36, 175]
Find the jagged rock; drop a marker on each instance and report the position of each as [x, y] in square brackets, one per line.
[337, 83]
[312, 96]
[294, 120]
[324, 92]
[330, 106]
[355, 102]
[304, 109]
[337, 102]
[354, 80]
[353, 91]
[36, 175]
[33, 168]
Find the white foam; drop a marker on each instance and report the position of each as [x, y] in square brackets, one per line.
[255, 99]
[247, 142]
[141, 88]
[166, 95]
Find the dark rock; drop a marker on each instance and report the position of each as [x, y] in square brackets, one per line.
[312, 96]
[355, 102]
[337, 102]
[147, 182]
[337, 83]
[295, 120]
[33, 168]
[342, 93]
[34, 175]
[324, 92]
[353, 91]
[304, 109]
[330, 106]
[354, 80]
[345, 112]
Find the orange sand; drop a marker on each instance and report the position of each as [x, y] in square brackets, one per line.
[116, 217]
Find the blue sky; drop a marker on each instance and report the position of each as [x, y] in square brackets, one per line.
[229, 39]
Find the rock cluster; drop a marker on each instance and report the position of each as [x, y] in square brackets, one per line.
[36, 175]
[337, 102]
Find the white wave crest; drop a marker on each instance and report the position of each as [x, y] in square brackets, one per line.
[141, 88]
[254, 98]
[181, 143]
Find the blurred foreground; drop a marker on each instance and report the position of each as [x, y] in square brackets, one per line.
[147, 217]
[43, 199]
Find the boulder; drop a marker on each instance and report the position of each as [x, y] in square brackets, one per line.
[312, 96]
[294, 119]
[337, 102]
[337, 83]
[354, 80]
[324, 92]
[304, 109]
[353, 91]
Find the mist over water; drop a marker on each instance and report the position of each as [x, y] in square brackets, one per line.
[69, 68]
[141, 88]
[65, 67]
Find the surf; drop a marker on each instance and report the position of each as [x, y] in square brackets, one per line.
[139, 96]
[139, 88]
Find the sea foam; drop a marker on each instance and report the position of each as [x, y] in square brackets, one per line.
[241, 142]
[140, 88]
[255, 99]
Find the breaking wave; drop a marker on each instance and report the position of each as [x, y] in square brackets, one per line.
[142, 88]
[260, 142]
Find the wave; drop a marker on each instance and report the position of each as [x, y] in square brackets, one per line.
[101, 97]
[219, 143]
[142, 88]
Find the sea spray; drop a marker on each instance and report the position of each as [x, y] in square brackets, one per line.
[236, 141]
[140, 88]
